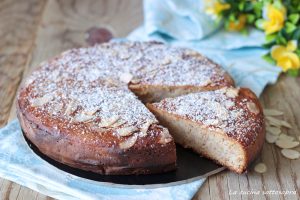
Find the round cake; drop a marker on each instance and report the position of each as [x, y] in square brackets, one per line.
[84, 108]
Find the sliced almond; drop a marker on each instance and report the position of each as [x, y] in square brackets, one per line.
[118, 123]
[124, 55]
[232, 92]
[41, 100]
[135, 81]
[129, 142]
[286, 137]
[273, 130]
[191, 53]
[272, 112]
[126, 131]
[82, 118]
[165, 137]
[252, 108]
[286, 144]
[91, 112]
[145, 127]
[260, 168]
[166, 61]
[111, 82]
[290, 154]
[71, 107]
[286, 124]
[273, 121]
[271, 138]
[126, 77]
[109, 122]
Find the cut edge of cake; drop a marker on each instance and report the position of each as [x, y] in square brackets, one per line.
[214, 144]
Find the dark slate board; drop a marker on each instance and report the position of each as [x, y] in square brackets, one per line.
[190, 166]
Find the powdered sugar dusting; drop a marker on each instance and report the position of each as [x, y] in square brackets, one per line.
[89, 85]
[218, 111]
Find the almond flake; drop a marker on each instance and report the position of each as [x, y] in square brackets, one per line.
[126, 77]
[82, 118]
[91, 112]
[273, 121]
[286, 137]
[290, 154]
[124, 56]
[145, 128]
[191, 53]
[129, 142]
[71, 107]
[165, 137]
[272, 112]
[109, 122]
[41, 100]
[252, 108]
[166, 61]
[273, 130]
[271, 138]
[232, 92]
[118, 123]
[286, 124]
[135, 81]
[260, 168]
[286, 144]
[126, 131]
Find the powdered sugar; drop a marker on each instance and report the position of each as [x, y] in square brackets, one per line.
[217, 110]
[89, 85]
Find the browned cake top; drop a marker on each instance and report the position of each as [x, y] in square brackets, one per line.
[233, 111]
[85, 90]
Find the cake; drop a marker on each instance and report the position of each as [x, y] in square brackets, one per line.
[225, 125]
[84, 108]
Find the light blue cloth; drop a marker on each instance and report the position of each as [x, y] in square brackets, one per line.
[19, 164]
[184, 23]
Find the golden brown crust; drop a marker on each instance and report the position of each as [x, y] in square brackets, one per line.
[144, 157]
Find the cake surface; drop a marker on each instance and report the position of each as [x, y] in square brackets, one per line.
[79, 108]
[226, 125]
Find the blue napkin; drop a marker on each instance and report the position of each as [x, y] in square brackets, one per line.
[184, 23]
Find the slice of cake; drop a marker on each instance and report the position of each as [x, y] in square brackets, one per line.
[165, 71]
[225, 125]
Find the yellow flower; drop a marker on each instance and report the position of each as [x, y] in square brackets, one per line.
[239, 24]
[285, 56]
[273, 19]
[214, 7]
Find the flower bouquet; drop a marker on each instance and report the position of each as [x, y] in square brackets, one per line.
[279, 19]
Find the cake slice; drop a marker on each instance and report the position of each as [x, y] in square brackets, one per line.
[167, 71]
[225, 125]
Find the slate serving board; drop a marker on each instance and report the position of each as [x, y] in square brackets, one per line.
[190, 166]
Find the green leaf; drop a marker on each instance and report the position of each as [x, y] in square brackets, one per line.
[231, 17]
[296, 34]
[241, 6]
[271, 37]
[293, 72]
[294, 18]
[280, 39]
[269, 59]
[269, 45]
[290, 27]
[250, 18]
[259, 23]
[297, 52]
